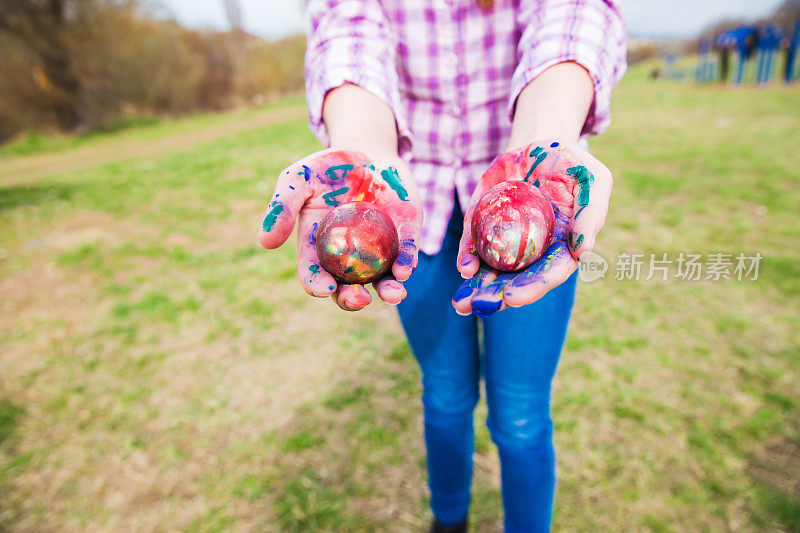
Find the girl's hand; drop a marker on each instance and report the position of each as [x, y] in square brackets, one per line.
[577, 185]
[313, 186]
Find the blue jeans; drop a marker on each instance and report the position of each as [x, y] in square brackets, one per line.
[518, 360]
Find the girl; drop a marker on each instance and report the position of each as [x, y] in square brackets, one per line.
[425, 104]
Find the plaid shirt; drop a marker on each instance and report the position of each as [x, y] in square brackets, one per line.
[451, 74]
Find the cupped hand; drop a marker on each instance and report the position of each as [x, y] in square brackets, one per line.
[577, 185]
[313, 186]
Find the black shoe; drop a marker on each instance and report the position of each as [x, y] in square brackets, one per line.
[438, 527]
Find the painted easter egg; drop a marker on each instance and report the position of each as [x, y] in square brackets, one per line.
[512, 225]
[357, 243]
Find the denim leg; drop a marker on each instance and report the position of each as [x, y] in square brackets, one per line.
[445, 345]
[522, 351]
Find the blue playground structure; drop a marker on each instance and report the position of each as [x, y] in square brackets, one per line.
[706, 66]
[757, 54]
[769, 39]
[792, 70]
[742, 43]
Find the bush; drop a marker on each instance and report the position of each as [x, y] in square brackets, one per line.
[94, 61]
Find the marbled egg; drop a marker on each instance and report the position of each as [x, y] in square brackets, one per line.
[512, 225]
[357, 243]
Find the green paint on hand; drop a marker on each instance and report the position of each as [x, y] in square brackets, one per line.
[314, 269]
[539, 154]
[271, 217]
[393, 179]
[329, 196]
[575, 243]
[331, 172]
[584, 178]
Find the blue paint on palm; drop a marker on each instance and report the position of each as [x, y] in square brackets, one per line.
[486, 307]
[468, 287]
[312, 235]
[406, 255]
[535, 272]
[463, 292]
[489, 299]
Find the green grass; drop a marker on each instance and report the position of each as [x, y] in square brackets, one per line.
[128, 128]
[161, 371]
[10, 414]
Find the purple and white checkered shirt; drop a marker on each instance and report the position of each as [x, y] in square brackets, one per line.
[451, 74]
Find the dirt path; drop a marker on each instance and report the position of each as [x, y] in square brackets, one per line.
[27, 169]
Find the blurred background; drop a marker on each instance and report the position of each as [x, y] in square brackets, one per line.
[159, 371]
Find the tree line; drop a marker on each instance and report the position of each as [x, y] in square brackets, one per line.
[80, 65]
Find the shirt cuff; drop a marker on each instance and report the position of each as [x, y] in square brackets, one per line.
[319, 84]
[597, 119]
[599, 47]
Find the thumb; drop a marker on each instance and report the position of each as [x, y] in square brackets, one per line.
[291, 193]
[467, 261]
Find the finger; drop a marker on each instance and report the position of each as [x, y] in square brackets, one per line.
[313, 278]
[549, 272]
[390, 290]
[592, 194]
[291, 193]
[489, 298]
[407, 255]
[467, 261]
[462, 299]
[352, 297]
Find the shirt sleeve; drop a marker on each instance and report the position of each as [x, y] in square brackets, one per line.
[351, 41]
[589, 32]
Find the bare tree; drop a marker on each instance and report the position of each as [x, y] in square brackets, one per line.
[41, 26]
[234, 12]
[786, 15]
[82, 64]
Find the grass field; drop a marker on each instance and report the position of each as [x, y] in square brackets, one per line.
[161, 372]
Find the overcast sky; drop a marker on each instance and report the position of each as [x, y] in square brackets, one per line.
[646, 18]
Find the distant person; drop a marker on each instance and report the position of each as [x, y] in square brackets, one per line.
[416, 99]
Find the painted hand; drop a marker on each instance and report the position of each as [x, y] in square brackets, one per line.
[313, 186]
[577, 185]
